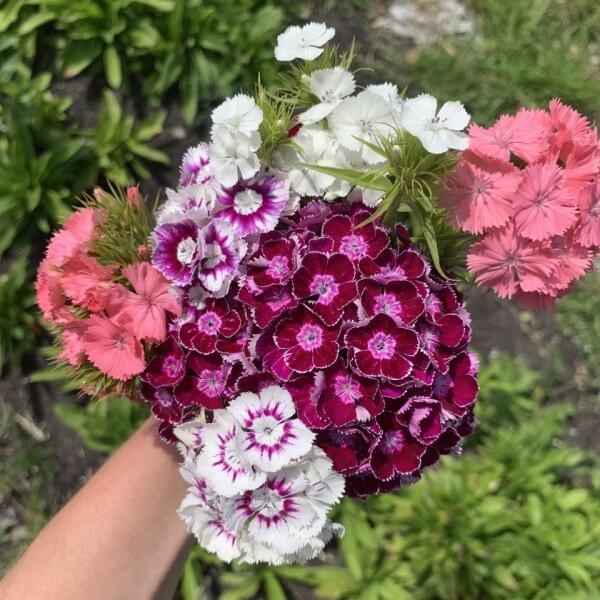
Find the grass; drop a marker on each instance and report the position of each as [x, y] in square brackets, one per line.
[522, 52]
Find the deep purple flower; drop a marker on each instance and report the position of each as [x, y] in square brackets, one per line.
[401, 300]
[355, 242]
[381, 348]
[306, 342]
[328, 281]
[274, 262]
[266, 305]
[167, 367]
[253, 206]
[178, 248]
[423, 417]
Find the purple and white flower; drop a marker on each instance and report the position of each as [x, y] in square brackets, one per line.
[195, 166]
[194, 203]
[253, 206]
[272, 437]
[223, 251]
[177, 251]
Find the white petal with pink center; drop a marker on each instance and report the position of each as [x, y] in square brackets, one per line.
[272, 437]
[223, 462]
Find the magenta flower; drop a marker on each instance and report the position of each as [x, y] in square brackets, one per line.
[328, 281]
[267, 305]
[397, 452]
[217, 318]
[423, 417]
[274, 262]
[177, 251]
[306, 342]
[381, 348]
[347, 397]
[401, 300]
[253, 206]
[355, 243]
[167, 367]
[206, 384]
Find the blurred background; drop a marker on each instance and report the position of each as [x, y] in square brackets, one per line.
[115, 90]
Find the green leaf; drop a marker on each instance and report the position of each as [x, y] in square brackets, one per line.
[150, 127]
[79, 55]
[190, 586]
[272, 587]
[373, 180]
[112, 67]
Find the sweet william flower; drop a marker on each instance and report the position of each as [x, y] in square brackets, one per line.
[438, 131]
[330, 86]
[239, 114]
[253, 206]
[304, 42]
[365, 117]
[233, 155]
[588, 229]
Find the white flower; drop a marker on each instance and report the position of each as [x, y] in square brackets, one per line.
[195, 202]
[259, 490]
[272, 438]
[367, 196]
[330, 86]
[303, 42]
[364, 117]
[222, 461]
[437, 132]
[239, 113]
[190, 433]
[389, 92]
[318, 147]
[233, 155]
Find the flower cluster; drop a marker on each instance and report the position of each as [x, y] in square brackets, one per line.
[529, 187]
[371, 345]
[103, 312]
[259, 491]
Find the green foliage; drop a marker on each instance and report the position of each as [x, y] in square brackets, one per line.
[212, 49]
[509, 520]
[579, 320]
[120, 142]
[104, 425]
[44, 162]
[18, 319]
[521, 53]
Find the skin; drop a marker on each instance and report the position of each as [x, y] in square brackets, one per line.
[119, 537]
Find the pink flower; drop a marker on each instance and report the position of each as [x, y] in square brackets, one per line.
[479, 193]
[306, 342]
[588, 228]
[569, 128]
[522, 135]
[50, 295]
[381, 348]
[74, 237]
[73, 343]
[112, 348]
[328, 281]
[509, 263]
[147, 308]
[87, 283]
[543, 207]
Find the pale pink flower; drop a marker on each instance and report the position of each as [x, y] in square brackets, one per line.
[479, 193]
[148, 306]
[509, 263]
[588, 228]
[543, 207]
[112, 348]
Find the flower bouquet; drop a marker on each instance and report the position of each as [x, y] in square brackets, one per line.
[291, 313]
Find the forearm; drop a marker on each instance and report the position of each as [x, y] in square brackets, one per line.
[118, 538]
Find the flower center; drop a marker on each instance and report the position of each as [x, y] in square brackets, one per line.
[278, 267]
[214, 256]
[382, 346]
[186, 250]
[310, 337]
[247, 202]
[388, 305]
[171, 366]
[346, 390]
[211, 382]
[325, 286]
[353, 246]
[209, 323]
[392, 442]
